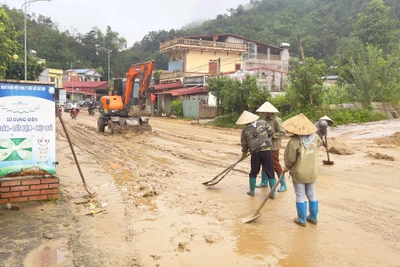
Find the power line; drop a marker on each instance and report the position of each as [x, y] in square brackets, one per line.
[228, 60]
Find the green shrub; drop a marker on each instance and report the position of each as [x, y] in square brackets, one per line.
[355, 116]
[339, 116]
[176, 107]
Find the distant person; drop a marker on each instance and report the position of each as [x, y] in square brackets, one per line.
[268, 110]
[255, 139]
[74, 106]
[322, 128]
[301, 160]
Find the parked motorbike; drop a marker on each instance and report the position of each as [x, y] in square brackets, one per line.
[74, 113]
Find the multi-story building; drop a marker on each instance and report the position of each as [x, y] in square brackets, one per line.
[199, 56]
[81, 75]
[52, 75]
[194, 58]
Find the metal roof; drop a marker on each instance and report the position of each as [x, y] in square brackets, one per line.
[96, 85]
[166, 86]
[184, 91]
[81, 71]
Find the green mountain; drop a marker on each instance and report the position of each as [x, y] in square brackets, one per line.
[326, 27]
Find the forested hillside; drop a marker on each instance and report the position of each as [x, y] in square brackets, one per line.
[327, 29]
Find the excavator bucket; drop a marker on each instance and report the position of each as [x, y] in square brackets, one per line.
[136, 125]
[137, 111]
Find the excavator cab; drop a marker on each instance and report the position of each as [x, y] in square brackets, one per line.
[128, 104]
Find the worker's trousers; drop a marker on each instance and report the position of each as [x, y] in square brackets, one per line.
[303, 190]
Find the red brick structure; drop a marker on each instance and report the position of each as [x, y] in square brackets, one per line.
[28, 189]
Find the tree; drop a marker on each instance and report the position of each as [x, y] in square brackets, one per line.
[374, 25]
[9, 47]
[306, 83]
[370, 76]
[236, 96]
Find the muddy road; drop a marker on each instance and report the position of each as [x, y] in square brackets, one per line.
[159, 214]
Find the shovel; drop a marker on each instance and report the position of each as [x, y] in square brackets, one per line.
[327, 162]
[254, 214]
[215, 181]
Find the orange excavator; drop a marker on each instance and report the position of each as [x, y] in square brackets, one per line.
[127, 105]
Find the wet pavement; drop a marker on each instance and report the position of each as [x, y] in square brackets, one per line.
[35, 224]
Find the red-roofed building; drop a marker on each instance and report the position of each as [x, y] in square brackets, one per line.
[184, 91]
[84, 90]
[164, 86]
[198, 93]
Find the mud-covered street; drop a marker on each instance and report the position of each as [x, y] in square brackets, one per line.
[159, 214]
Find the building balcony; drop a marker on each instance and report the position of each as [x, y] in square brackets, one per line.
[173, 76]
[181, 43]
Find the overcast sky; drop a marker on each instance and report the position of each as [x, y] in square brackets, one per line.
[132, 19]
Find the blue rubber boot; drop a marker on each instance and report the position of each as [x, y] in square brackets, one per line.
[312, 218]
[264, 180]
[301, 213]
[252, 183]
[283, 184]
[272, 183]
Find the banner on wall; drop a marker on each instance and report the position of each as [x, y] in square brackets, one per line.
[27, 129]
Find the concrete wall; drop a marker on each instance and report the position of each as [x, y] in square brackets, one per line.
[280, 62]
[274, 81]
[197, 61]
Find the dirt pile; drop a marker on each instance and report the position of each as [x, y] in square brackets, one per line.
[381, 156]
[392, 140]
[340, 150]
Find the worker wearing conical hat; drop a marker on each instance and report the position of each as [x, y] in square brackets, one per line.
[268, 110]
[255, 138]
[322, 128]
[301, 159]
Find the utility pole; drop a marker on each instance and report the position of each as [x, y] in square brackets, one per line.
[219, 66]
[108, 50]
[24, 6]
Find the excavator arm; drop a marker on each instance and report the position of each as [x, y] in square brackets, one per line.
[145, 69]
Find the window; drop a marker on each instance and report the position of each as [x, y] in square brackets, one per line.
[238, 66]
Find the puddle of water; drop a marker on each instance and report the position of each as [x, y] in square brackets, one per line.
[163, 161]
[115, 165]
[53, 253]
[176, 239]
[250, 241]
[121, 176]
[148, 204]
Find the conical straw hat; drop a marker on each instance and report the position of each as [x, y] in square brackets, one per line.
[299, 125]
[267, 107]
[327, 119]
[247, 117]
